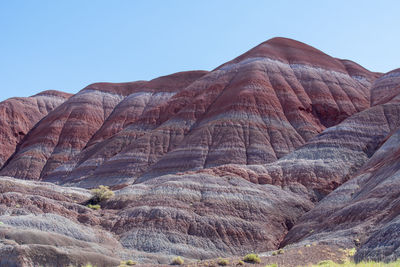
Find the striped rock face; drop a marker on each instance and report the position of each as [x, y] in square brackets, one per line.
[19, 115]
[254, 109]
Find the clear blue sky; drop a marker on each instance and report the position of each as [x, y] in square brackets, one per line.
[66, 45]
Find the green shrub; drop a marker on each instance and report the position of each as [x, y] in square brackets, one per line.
[350, 252]
[223, 262]
[252, 258]
[240, 262]
[326, 262]
[94, 207]
[130, 262]
[281, 251]
[101, 193]
[177, 261]
[274, 253]
[127, 263]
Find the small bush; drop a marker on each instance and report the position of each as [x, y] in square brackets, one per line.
[177, 261]
[350, 252]
[94, 207]
[223, 262]
[101, 193]
[240, 262]
[252, 258]
[127, 263]
[274, 253]
[130, 262]
[281, 251]
[326, 262]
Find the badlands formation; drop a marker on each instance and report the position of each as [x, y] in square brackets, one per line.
[282, 147]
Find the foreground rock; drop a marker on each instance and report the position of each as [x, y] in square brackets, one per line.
[195, 216]
[43, 225]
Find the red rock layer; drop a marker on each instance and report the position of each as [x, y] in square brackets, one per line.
[19, 115]
[252, 110]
